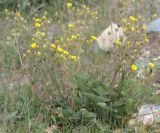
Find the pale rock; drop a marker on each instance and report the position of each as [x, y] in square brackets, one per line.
[110, 35]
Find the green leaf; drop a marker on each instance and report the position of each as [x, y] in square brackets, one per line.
[62, 103]
[128, 105]
[75, 116]
[104, 127]
[68, 112]
[81, 80]
[11, 115]
[119, 102]
[100, 91]
[102, 105]
[95, 98]
[86, 114]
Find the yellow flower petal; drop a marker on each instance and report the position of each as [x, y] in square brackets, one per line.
[69, 5]
[37, 25]
[133, 67]
[34, 45]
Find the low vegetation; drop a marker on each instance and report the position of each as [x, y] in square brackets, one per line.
[53, 78]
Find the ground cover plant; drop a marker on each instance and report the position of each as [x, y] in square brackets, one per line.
[53, 76]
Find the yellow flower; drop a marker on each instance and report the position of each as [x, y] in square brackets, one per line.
[70, 25]
[37, 25]
[53, 46]
[65, 52]
[74, 37]
[34, 45]
[93, 38]
[124, 20]
[43, 34]
[144, 27]
[132, 18]
[146, 40]
[69, 5]
[44, 46]
[133, 29]
[59, 49]
[148, 19]
[133, 67]
[118, 43]
[45, 40]
[44, 17]
[151, 65]
[33, 39]
[129, 42]
[148, 70]
[37, 20]
[37, 33]
[74, 57]
[155, 15]
[140, 17]
[138, 43]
